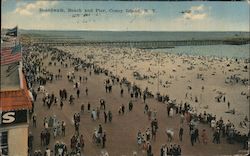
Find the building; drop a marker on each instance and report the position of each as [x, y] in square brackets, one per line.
[15, 101]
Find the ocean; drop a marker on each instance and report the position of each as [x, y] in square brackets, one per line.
[231, 51]
[134, 35]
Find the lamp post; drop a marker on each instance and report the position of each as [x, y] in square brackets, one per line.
[158, 74]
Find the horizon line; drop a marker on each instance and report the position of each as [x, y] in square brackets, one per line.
[137, 30]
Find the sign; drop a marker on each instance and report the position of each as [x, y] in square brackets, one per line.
[4, 143]
[13, 117]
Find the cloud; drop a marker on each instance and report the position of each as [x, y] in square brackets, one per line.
[199, 19]
[28, 9]
[197, 8]
[192, 16]
[196, 13]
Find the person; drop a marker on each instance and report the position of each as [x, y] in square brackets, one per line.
[178, 150]
[171, 112]
[100, 129]
[130, 107]
[149, 114]
[34, 95]
[153, 130]
[82, 108]
[123, 109]
[192, 137]
[30, 141]
[182, 119]
[228, 105]
[71, 99]
[162, 152]
[131, 94]
[80, 78]
[97, 113]
[103, 139]
[77, 125]
[55, 101]
[139, 138]
[149, 149]
[120, 110]
[196, 133]
[42, 138]
[105, 116]
[102, 104]
[144, 97]
[81, 142]
[121, 92]
[86, 90]
[134, 153]
[170, 134]
[147, 134]
[213, 124]
[110, 116]
[46, 125]
[245, 140]
[146, 109]
[78, 92]
[61, 104]
[154, 124]
[93, 114]
[34, 120]
[180, 133]
[246, 118]
[88, 107]
[216, 136]
[63, 128]
[47, 152]
[54, 132]
[204, 136]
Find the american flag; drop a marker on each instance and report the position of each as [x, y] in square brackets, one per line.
[11, 55]
[12, 32]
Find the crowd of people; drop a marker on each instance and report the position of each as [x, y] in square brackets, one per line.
[221, 128]
[172, 150]
[99, 136]
[38, 75]
[77, 144]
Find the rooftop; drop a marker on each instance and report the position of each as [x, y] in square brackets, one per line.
[10, 78]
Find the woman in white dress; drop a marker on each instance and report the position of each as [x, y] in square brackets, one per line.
[171, 112]
[94, 114]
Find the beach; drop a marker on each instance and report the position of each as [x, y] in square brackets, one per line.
[182, 77]
[86, 72]
[119, 78]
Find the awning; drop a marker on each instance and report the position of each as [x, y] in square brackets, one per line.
[16, 99]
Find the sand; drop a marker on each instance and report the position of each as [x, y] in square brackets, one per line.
[176, 73]
[121, 133]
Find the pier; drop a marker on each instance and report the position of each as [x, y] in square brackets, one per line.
[141, 44]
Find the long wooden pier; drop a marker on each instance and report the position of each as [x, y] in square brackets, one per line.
[142, 44]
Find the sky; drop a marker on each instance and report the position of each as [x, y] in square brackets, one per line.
[126, 16]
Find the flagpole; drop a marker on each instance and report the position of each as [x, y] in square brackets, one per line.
[157, 57]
